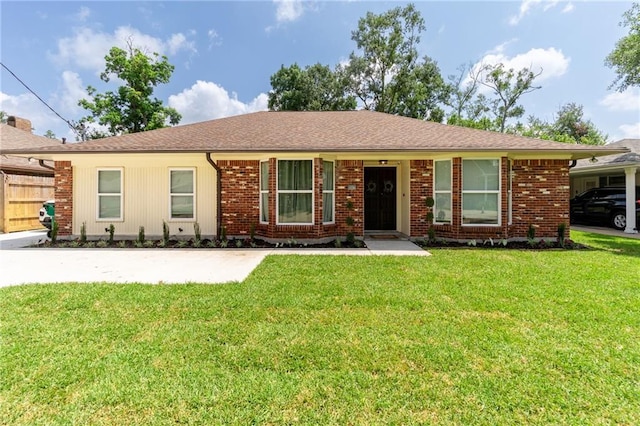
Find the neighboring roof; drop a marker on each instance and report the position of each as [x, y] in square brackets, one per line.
[344, 131]
[619, 160]
[16, 139]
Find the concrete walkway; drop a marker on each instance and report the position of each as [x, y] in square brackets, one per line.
[153, 266]
[605, 231]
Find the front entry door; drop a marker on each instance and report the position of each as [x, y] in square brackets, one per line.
[380, 198]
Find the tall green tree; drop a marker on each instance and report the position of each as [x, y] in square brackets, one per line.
[314, 88]
[387, 74]
[568, 126]
[49, 134]
[625, 57]
[132, 107]
[508, 86]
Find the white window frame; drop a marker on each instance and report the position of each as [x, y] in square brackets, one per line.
[108, 194]
[264, 191]
[183, 194]
[442, 191]
[286, 191]
[498, 192]
[329, 191]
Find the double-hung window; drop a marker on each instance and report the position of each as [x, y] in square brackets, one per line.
[264, 192]
[182, 193]
[442, 191]
[110, 194]
[481, 192]
[295, 192]
[328, 191]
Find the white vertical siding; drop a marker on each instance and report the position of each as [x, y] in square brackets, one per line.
[146, 194]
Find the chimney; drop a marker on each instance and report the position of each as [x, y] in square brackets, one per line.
[19, 123]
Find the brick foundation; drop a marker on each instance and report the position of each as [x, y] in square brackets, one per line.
[63, 178]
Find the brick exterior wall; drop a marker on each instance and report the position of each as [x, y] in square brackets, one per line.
[421, 187]
[349, 187]
[240, 195]
[63, 178]
[540, 197]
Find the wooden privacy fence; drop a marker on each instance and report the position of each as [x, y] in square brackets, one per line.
[22, 197]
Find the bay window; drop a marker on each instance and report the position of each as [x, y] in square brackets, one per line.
[442, 191]
[295, 192]
[328, 186]
[481, 192]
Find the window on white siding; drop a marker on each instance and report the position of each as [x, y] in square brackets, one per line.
[295, 192]
[481, 192]
[110, 194]
[328, 192]
[442, 192]
[182, 193]
[264, 192]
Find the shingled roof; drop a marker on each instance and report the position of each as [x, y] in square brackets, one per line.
[343, 131]
[12, 138]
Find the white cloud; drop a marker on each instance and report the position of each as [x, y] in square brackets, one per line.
[87, 48]
[528, 5]
[629, 100]
[568, 8]
[72, 91]
[206, 100]
[630, 131]
[551, 61]
[288, 10]
[28, 106]
[214, 38]
[83, 14]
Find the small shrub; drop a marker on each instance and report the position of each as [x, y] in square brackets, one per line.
[212, 244]
[54, 231]
[338, 243]
[148, 244]
[122, 244]
[472, 243]
[431, 233]
[102, 244]
[351, 238]
[141, 237]
[562, 228]
[223, 233]
[197, 243]
[358, 243]
[182, 244]
[291, 242]
[83, 232]
[239, 243]
[349, 205]
[196, 232]
[165, 233]
[350, 221]
[112, 230]
[224, 243]
[74, 244]
[531, 232]
[252, 231]
[90, 244]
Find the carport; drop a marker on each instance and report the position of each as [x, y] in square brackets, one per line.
[612, 170]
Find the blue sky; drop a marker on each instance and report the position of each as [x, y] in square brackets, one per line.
[225, 52]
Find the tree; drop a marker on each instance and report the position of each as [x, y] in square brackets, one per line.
[625, 57]
[569, 126]
[508, 86]
[388, 76]
[3, 117]
[464, 87]
[315, 88]
[131, 108]
[49, 134]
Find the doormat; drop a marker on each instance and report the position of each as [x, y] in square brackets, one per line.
[384, 237]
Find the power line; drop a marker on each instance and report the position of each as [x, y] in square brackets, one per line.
[41, 100]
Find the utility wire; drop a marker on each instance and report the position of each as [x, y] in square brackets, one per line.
[40, 99]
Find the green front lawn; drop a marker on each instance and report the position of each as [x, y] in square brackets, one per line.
[461, 337]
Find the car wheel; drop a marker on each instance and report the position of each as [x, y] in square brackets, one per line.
[619, 220]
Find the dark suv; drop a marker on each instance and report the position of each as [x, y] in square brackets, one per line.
[603, 206]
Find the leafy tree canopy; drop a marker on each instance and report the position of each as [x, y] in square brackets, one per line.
[314, 88]
[625, 57]
[387, 75]
[131, 108]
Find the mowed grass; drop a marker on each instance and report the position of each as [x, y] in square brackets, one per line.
[462, 337]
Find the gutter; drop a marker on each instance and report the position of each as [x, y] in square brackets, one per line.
[218, 193]
[41, 162]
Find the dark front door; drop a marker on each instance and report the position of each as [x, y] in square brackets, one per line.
[379, 198]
